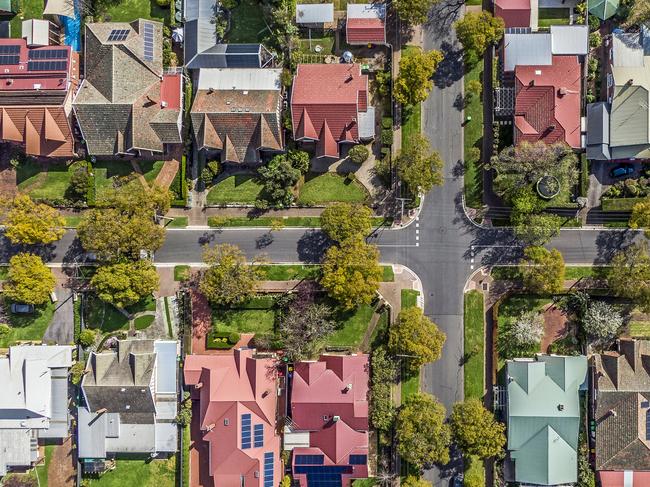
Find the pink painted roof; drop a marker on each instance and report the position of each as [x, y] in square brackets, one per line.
[332, 92]
[617, 479]
[170, 91]
[321, 389]
[337, 440]
[547, 102]
[515, 13]
[229, 386]
[366, 31]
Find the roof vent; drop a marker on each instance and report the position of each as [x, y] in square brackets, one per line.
[239, 110]
[227, 102]
[6, 70]
[245, 92]
[612, 412]
[128, 406]
[10, 82]
[226, 422]
[257, 474]
[630, 82]
[123, 389]
[560, 407]
[538, 72]
[531, 83]
[562, 91]
[211, 90]
[37, 86]
[163, 104]
[336, 418]
[247, 109]
[348, 388]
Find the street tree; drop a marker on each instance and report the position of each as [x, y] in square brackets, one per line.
[125, 283]
[132, 198]
[228, 279]
[536, 229]
[414, 80]
[629, 274]
[383, 373]
[29, 280]
[543, 270]
[601, 322]
[423, 435]
[475, 430]
[351, 273]
[477, 31]
[416, 337]
[413, 481]
[304, 329]
[344, 221]
[418, 166]
[640, 217]
[413, 11]
[33, 223]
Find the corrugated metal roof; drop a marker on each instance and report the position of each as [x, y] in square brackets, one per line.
[91, 434]
[240, 79]
[598, 131]
[627, 50]
[166, 366]
[166, 437]
[527, 50]
[366, 11]
[570, 39]
[629, 116]
[367, 123]
[314, 13]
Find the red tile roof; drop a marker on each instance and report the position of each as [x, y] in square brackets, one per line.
[229, 386]
[547, 102]
[365, 31]
[335, 93]
[617, 479]
[515, 13]
[170, 91]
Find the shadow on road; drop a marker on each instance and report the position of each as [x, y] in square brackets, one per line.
[450, 68]
[312, 246]
[608, 243]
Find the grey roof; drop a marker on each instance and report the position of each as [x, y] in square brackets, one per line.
[166, 437]
[166, 376]
[527, 49]
[366, 11]
[627, 49]
[15, 449]
[239, 79]
[221, 55]
[314, 13]
[367, 123]
[92, 431]
[629, 116]
[570, 40]
[59, 413]
[598, 131]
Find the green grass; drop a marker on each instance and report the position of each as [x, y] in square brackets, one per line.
[474, 345]
[244, 320]
[72, 221]
[371, 482]
[4, 272]
[639, 329]
[331, 187]
[178, 222]
[473, 138]
[288, 272]
[144, 473]
[353, 326]
[128, 10]
[553, 16]
[50, 181]
[379, 335]
[288, 221]
[103, 316]
[181, 273]
[147, 304]
[620, 204]
[509, 311]
[409, 298]
[186, 455]
[107, 171]
[168, 316]
[247, 23]
[389, 275]
[151, 169]
[410, 385]
[41, 470]
[571, 272]
[326, 43]
[242, 188]
[412, 123]
[143, 322]
[475, 472]
[27, 326]
[31, 9]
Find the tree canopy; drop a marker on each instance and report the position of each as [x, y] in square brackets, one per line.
[279, 177]
[29, 280]
[601, 322]
[125, 283]
[475, 430]
[417, 337]
[413, 481]
[477, 31]
[543, 270]
[343, 221]
[413, 11]
[383, 373]
[33, 223]
[423, 436]
[304, 328]
[418, 166]
[640, 217]
[638, 12]
[536, 229]
[629, 275]
[351, 273]
[414, 81]
[229, 279]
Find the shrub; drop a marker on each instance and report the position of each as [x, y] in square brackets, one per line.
[163, 3]
[4, 329]
[215, 167]
[220, 340]
[233, 338]
[80, 182]
[77, 372]
[207, 176]
[387, 123]
[474, 87]
[87, 337]
[595, 39]
[387, 137]
[359, 154]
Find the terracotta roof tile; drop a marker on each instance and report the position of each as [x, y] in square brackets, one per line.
[365, 31]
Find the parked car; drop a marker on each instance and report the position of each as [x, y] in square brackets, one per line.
[622, 170]
[19, 308]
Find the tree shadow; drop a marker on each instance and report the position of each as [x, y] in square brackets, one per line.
[608, 243]
[450, 68]
[312, 245]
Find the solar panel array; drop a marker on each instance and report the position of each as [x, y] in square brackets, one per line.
[309, 459]
[48, 54]
[324, 476]
[118, 35]
[258, 435]
[47, 65]
[10, 49]
[245, 431]
[9, 59]
[358, 459]
[268, 469]
[148, 41]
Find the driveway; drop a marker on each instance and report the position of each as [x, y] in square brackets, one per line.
[61, 328]
[600, 180]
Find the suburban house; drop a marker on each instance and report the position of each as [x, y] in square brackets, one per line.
[619, 128]
[541, 84]
[622, 417]
[517, 13]
[237, 398]
[36, 90]
[237, 114]
[34, 401]
[315, 15]
[329, 107]
[543, 419]
[328, 425]
[366, 23]
[127, 104]
[129, 402]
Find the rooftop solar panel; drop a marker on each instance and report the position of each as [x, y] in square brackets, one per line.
[9, 49]
[148, 41]
[268, 469]
[258, 435]
[47, 54]
[47, 65]
[6, 59]
[309, 460]
[245, 431]
[118, 35]
[243, 48]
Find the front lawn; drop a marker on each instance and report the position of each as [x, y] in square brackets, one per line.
[288, 272]
[473, 142]
[103, 316]
[107, 171]
[330, 187]
[571, 272]
[409, 298]
[247, 23]
[553, 16]
[27, 326]
[264, 221]
[150, 169]
[620, 204]
[144, 473]
[412, 114]
[474, 345]
[31, 9]
[244, 320]
[241, 188]
[129, 10]
[353, 326]
[181, 273]
[50, 181]
[410, 385]
[143, 322]
[178, 222]
[72, 221]
[639, 329]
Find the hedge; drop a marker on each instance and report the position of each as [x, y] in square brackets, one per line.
[179, 185]
[91, 195]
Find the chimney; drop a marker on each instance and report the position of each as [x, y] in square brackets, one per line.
[209, 427]
[630, 82]
[335, 418]
[163, 104]
[210, 90]
[612, 413]
[349, 78]
[348, 388]
[532, 82]
[10, 82]
[562, 91]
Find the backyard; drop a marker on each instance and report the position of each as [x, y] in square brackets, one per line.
[144, 473]
[30, 9]
[129, 10]
[27, 326]
[247, 23]
[553, 16]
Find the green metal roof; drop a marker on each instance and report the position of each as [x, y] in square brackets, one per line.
[544, 417]
[603, 9]
[5, 6]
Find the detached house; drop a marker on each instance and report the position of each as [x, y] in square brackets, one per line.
[366, 23]
[127, 104]
[622, 383]
[34, 401]
[237, 114]
[36, 89]
[329, 107]
[237, 397]
[328, 427]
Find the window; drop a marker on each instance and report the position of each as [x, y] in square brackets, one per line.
[358, 459]
[258, 435]
[268, 469]
[245, 431]
[309, 459]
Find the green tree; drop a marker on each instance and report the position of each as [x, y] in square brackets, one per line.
[77, 372]
[343, 221]
[543, 270]
[125, 283]
[299, 159]
[33, 223]
[133, 198]
[413, 11]
[423, 436]
[476, 32]
[417, 337]
[279, 177]
[640, 217]
[414, 81]
[418, 166]
[29, 280]
[537, 229]
[383, 373]
[304, 329]
[351, 273]
[475, 430]
[629, 276]
[358, 154]
[638, 12]
[228, 279]
[413, 481]
[80, 182]
[87, 337]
